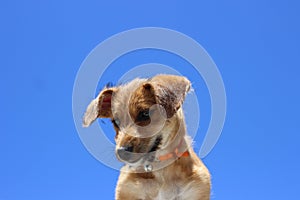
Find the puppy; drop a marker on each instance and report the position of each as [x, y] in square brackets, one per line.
[151, 140]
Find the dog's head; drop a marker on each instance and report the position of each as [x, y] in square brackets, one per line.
[144, 113]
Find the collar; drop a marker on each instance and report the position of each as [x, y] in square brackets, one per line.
[174, 154]
[166, 158]
[161, 161]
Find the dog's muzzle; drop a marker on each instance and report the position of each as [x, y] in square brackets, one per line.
[126, 154]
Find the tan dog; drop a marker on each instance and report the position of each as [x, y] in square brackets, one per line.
[151, 140]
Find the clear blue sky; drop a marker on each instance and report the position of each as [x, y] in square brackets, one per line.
[255, 45]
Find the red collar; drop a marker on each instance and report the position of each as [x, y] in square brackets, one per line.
[174, 154]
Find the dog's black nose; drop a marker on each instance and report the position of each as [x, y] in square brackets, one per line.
[125, 153]
[128, 148]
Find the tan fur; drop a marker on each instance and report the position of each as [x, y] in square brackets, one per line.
[183, 178]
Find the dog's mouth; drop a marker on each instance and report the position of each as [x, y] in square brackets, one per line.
[156, 144]
[127, 154]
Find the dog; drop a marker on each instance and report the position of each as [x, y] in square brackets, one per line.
[151, 139]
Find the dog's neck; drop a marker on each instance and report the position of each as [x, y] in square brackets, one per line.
[176, 153]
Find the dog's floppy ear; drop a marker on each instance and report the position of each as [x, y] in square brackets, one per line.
[169, 91]
[100, 107]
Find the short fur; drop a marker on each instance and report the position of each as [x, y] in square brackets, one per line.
[141, 140]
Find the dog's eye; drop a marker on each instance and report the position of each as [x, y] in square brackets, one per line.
[116, 122]
[143, 116]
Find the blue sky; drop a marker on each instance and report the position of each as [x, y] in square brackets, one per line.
[255, 45]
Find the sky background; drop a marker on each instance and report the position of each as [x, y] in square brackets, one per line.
[255, 45]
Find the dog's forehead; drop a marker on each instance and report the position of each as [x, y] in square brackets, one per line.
[124, 92]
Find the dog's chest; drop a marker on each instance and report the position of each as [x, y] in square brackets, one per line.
[170, 192]
[175, 191]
